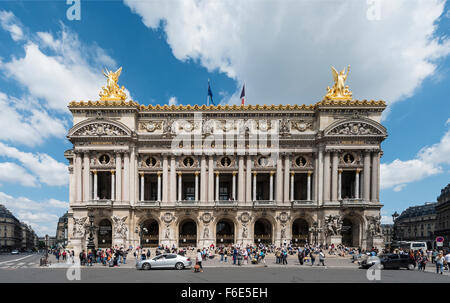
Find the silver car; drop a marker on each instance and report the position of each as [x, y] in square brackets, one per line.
[165, 261]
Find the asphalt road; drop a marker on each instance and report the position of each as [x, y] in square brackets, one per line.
[214, 275]
[22, 260]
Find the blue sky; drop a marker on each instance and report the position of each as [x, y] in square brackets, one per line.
[398, 52]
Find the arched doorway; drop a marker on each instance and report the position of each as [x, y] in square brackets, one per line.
[300, 232]
[104, 234]
[347, 232]
[263, 231]
[149, 233]
[224, 232]
[187, 235]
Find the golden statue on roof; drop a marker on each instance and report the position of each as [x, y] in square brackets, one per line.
[112, 90]
[339, 91]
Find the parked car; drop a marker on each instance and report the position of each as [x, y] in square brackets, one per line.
[14, 252]
[165, 261]
[389, 261]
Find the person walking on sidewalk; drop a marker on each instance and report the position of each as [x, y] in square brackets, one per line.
[321, 258]
[313, 258]
[439, 263]
[199, 259]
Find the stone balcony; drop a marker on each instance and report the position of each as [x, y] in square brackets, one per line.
[264, 203]
[152, 204]
[187, 203]
[352, 202]
[302, 203]
[98, 203]
[225, 203]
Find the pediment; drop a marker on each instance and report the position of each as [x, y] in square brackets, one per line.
[99, 128]
[355, 127]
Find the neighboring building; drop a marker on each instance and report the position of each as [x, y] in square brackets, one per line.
[443, 215]
[61, 231]
[132, 167]
[417, 223]
[10, 230]
[51, 241]
[388, 233]
[15, 234]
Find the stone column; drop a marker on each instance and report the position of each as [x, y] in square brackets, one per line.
[196, 185]
[133, 176]
[141, 174]
[334, 176]
[254, 186]
[357, 183]
[126, 177]
[378, 155]
[217, 186]
[374, 176]
[211, 178]
[78, 184]
[234, 186]
[319, 175]
[292, 186]
[340, 184]
[118, 177]
[95, 184]
[179, 185]
[308, 190]
[271, 185]
[165, 181]
[279, 181]
[287, 168]
[173, 181]
[203, 179]
[248, 181]
[241, 180]
[326, 177]
[113, 183]
[86, 172]
[159, 186]
[366, 176]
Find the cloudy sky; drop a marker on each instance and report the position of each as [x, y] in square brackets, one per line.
[398, 51]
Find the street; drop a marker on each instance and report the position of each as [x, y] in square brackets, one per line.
[25, 269]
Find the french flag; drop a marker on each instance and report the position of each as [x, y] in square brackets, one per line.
[243, 95]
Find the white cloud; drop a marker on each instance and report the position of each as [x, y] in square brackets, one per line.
[27, 123]
[173, 101]
[284, 50]
[68, 70]
[42, 216]
[48, 170]
[13, 173]
[387, 220]
[429, 161]
[10, 23]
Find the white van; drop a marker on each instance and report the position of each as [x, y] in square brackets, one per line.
[414, 246]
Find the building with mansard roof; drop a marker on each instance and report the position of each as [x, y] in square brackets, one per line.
[248, 174]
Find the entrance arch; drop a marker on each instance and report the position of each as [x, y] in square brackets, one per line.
[347, 232]
[187, 233]
[300, 231]
[224, 232]
[104, 234]
[262, 231]
[149, 234]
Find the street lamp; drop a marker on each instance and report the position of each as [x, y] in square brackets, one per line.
[395, 215]
[91, 244]
[315, 230]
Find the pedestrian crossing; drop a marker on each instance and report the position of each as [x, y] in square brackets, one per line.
[19, 263]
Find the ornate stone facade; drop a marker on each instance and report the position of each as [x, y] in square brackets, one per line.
[196, 175]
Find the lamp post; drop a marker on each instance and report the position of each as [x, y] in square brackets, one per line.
[91, 244]
[315, 230]
[395, 215]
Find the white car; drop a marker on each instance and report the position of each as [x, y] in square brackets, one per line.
[15, 252]
[165, 261]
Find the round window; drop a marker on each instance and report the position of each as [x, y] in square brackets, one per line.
[150, 161]
[104, 159]
[263, 161]
[188, 161]
[300, 161]
[225, 161]
[348, 158]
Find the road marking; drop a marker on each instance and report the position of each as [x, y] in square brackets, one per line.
[9, 261]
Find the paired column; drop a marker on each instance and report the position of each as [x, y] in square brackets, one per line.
[86, 172]
[292, 186]
[340, 184]
[279, 181]
[357, 183]
[196, 185]
[241, 180]
[248, 181]
[165, 185]
[142, 186]
[326, 177]
[132, 181]
[211, 179]
[180, 180]
[113, 183]
[308, 190]
[334, 176]
[271, 186]
[287, 168]
[203, 179]
[234, 186]
[78, 171]
[374, 176]
[366, 176]
[95, 184]
[118, 177]
[254, 186]
[126, 177]
[173, 181]
[159, 185]
[217, 186]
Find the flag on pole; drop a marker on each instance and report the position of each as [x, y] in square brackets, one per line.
[210, 96]
[243, 95]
